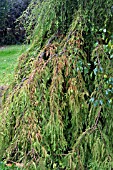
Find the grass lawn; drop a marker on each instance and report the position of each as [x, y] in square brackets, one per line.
[8, 62]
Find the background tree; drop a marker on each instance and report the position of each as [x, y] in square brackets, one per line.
[58, 111]
[3, 13]
[10, 11]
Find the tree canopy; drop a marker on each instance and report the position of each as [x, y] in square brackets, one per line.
[58, 111]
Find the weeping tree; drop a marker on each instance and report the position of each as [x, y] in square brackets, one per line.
[58, 111]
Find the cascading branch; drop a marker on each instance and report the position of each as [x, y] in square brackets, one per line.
[59, 113]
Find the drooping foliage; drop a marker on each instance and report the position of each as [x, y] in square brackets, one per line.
[58, 112]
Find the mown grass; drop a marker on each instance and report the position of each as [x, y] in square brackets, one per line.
[8, 61]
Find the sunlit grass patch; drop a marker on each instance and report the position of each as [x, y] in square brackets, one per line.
[8, 61]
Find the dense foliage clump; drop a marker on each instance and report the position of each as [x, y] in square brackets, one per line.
[58, 112]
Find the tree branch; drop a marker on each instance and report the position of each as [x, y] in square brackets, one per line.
[89, 130]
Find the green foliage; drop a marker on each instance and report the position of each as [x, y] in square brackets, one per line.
[59, 114]
[41, 17]
[4, 167]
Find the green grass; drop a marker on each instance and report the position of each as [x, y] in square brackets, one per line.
[8, 61]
